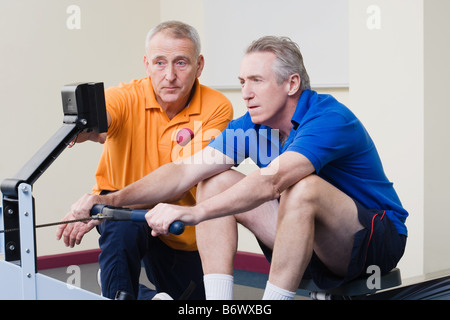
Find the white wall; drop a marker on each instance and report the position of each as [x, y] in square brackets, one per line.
[386, 92]
[436, 142]
[43, 47]
[398, 79]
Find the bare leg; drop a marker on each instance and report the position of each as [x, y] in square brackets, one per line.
[313, 215]
[217, 238]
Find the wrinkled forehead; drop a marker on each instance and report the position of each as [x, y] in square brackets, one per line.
[165, 43]
[259, 63]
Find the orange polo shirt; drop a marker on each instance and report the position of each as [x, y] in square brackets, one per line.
[141, 138]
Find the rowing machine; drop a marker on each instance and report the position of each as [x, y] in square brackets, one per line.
[84, 110]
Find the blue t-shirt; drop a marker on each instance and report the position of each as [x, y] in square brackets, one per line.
[333, 139]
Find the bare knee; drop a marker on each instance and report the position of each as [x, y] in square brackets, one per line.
[302, 201]
[305, 191]
[217, 184]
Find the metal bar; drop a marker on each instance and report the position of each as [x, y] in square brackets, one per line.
[27, 242]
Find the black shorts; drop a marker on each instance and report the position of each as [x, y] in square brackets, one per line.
[378, 243]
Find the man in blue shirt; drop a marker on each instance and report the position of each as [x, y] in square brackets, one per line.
[320, 205]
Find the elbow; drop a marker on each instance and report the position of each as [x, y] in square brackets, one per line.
[275, 192]
[268, 186]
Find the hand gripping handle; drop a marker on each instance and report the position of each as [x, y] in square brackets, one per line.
[125, 214]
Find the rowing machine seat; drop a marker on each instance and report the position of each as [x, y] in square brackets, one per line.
[355, 288]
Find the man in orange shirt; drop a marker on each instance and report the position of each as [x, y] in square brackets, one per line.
[144, 119]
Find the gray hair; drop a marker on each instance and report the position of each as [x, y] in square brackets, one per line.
[177, 30]
[289, 59]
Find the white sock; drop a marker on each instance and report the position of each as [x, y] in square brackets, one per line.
[218, 286]
[273, 292]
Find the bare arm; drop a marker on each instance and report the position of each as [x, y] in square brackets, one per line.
[171, 179]
[258, 187]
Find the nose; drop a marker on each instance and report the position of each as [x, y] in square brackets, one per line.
[170, 73]
[247, 92]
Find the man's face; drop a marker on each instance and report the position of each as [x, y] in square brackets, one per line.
[173, 67]
[263, 96]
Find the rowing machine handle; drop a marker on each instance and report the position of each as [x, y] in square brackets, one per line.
[125, 214]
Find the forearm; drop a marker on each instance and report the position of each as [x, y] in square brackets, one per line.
[249, 193]
[162, 184]
[172, 179]
[91, 136]
[258, 187]
[166, 182]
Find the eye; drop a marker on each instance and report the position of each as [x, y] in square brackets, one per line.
[181, 63]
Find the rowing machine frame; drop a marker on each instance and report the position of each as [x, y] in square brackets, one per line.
[84, 110]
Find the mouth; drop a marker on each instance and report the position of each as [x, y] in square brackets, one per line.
[252, 107]
[170, 88]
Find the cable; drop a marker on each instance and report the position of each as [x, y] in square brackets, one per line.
[51, 224]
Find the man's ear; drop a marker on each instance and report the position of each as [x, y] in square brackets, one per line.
[200, 65]
[146, 64]
[294, 82]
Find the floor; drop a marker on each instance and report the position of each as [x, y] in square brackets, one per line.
[248, 285]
